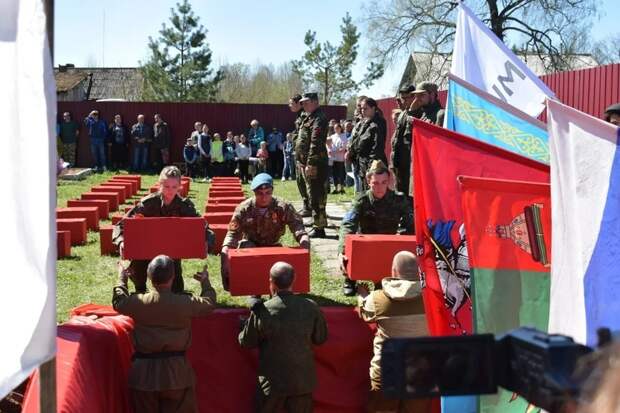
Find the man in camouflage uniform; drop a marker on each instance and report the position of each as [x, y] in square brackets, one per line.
[376, 211]
[311, 155]
[260, 222]
[284, 329]
[418, 102]
[295, 107]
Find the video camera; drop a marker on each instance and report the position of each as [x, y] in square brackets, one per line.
[538, 366]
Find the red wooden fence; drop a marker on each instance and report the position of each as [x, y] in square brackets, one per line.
[221, 117]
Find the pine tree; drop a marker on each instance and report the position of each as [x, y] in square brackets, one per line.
[178, 69]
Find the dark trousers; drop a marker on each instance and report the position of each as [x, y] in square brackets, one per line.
[139, 276]
[301, 186]
[206, 166]
[338, 173]
[97, 150]
[190, 169]
[243, 170]
[164, 401]
[229, 167]
[291, 404]
[275, 163]
[403, 173]
[317, 196]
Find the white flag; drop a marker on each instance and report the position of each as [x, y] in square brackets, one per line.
[481, 59]
[28, 160]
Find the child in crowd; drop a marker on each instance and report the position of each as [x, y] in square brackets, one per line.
[337, 155]
[330, 162]
[228, 148]
[288, 172]
[190, 154]
[262, 156]
[243, 153]
[217, 155]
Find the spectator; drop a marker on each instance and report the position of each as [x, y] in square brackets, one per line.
[68, 132]
[228, 147]
[191, 156]
[217, 155]
[97, 132]
[338, 149]
[284, 329]
[236, 139]
[398, 311]
[160, 377]
[118, 142]
[330, 163]
[351, 180]
[256, 135]
[142, 135]
[203, 143]
[330, 126]
[612, 114]
[263, 156]
[161, 142]
[196, 132]
[274, 146]
[288, 172]
[243, 153]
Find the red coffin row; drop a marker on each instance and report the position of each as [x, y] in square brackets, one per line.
[227, 179]
[63, 242]
[134, 184]
[226, 193]
[118, 189]
[145, 238]
[126, 185]
[249, 269]
[135, 178]
[102, 204]
[218, 217]
[225, 199]
[370, 256]
[90, 213]
[230, 208]
[77, 227]
[111, 197]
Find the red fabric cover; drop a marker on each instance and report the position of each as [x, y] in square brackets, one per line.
[94, 356]
[249, 268]
[111, 197]
[102, 204]
[120, 190]
[370, 256]
[226, 179]
[225, 199]
[210, 207]
[90, 213]
[63, 243]
[77, 227]
[134, 183]
[145, 238]
[226, 193]
[218, 217]
[135, 178]
[105, 240]
[225, 186]
[220, 231]
[127, 185]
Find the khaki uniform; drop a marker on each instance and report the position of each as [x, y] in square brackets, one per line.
[161, 378]
[299, 176]
[392, 214]
[284, 329]
[153, 205]
[368, 145]
[263, 227]
[311, 150]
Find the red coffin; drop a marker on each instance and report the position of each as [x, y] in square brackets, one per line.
[370, 256]
[230, 208]
[134, 184]
[145, 238]
[135, 178]
[227, 179]
[249, 269]
[111, 197]
[220, 231]
[118, 189]
[102, 204]
[225, 194]
[77, 227]
[225, 199]
[127, 185]
[218, 217]
[63, 242]
[90, 213]
[105, 240]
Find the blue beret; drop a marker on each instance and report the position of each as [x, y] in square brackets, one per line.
[260, 180]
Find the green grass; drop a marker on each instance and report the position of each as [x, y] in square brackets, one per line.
[88, 277]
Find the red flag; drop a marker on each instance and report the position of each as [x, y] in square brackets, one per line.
[439, 156]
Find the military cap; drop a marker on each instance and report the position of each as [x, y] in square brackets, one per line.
[378, 167]
[426, 87]
[309, 96]
[407, 89]
[260, 180]
[613, 109]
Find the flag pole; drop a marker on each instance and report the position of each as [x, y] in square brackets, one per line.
[47, 370]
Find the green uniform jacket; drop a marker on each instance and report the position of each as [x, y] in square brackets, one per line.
[162, 323]
[284, 329]
[298, 121]
[264, 227]
[392, 214]
[152, 205]
[368, 144]
[310, 148]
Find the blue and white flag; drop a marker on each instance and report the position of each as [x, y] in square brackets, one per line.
[482, 59]
[585, 197]
[475, 113]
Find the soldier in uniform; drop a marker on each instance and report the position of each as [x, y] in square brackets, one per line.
[418, 102]
[284, 329]
[376, 211]
[164, 203]
[313, 160]
[261, 221]
[295, 107]
[160, 377]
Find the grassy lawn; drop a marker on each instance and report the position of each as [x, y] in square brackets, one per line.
[88, 277]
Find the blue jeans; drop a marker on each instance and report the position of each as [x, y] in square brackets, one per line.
[97, 149]
[140, 157]
[289, 167]
[357, 181]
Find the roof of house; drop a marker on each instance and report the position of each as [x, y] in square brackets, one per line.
[65, 81]
[108, 82]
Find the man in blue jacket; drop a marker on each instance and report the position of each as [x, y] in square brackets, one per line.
[97, 132]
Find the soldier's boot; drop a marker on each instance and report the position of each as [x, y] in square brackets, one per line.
[349, 287]
[306, 211]
[317, 233]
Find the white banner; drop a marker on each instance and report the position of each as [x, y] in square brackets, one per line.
[481, 59]
[28, 158]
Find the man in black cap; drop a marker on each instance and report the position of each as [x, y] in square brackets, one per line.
[311, 155]
[612, 114]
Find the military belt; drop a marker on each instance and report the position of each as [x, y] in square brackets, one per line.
[158, 355]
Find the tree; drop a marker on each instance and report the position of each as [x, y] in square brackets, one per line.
[549, 28]
[178, 69]
[329, 68]
[606, 51]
